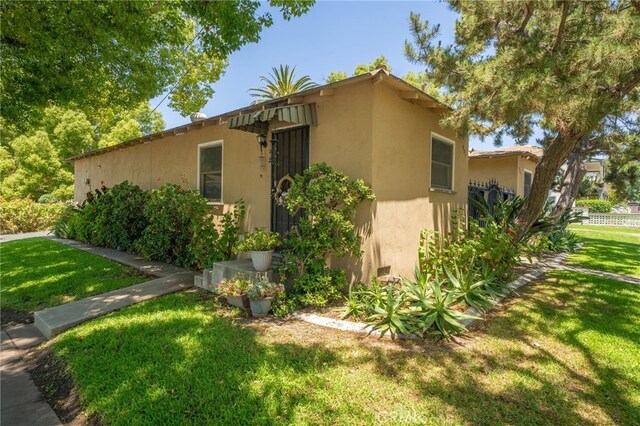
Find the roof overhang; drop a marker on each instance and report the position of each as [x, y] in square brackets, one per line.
[258, 122]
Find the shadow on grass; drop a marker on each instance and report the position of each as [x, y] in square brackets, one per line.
[608, 255]
[38, 273]
[175, 360]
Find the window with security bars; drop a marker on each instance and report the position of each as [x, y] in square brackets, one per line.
[441, 164]
[211, 172]
[528, 178]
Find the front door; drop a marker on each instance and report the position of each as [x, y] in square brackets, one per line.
[289, 156]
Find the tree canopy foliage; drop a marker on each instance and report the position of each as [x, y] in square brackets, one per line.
[116, 54]
[32, 163]
[562, 66]
[379, 62]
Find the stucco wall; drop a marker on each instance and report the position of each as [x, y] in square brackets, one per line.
[502, 169]
[405, 204]
[366, 131]
[507, 171]
[524, 164]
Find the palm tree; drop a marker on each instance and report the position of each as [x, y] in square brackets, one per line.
[282, 82]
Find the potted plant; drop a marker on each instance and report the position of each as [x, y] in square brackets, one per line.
[261, 294]
[235, 290]
[261, 244]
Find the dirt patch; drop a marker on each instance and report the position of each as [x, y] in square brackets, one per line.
[9, 318]
[52, 377]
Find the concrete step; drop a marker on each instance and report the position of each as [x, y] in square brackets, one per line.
[55, 320]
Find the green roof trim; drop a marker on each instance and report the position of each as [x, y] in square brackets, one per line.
[258, 122]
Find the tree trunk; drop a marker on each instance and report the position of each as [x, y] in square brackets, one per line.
[554, 156]
[576, 171]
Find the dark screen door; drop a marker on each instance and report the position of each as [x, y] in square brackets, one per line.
[289, 157]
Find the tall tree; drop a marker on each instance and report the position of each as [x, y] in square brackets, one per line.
[120, 53]
[379, 62]
[282, 82]
[559, 65]
[32, 164]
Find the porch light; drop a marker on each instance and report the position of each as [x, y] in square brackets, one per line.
[262, 141]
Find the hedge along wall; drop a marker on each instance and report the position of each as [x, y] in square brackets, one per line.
[596, 206]
[25, 215]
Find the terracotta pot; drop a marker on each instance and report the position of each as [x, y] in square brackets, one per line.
[261, 260]
[260, 308]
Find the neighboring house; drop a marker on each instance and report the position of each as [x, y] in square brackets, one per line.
[374, 126]
[511, 167]
[596, 172]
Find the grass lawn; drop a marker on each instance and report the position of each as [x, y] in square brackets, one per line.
[608, 249]
[38, 273]
[565, 351]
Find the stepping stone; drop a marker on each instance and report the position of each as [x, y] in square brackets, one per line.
[55, 320]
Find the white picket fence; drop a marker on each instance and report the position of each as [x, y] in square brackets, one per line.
[609, 219]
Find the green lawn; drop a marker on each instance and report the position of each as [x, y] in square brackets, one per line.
[565, 351]
[38, 273]
[608, 249]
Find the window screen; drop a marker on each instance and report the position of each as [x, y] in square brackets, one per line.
[441, 164]
[528, 177]
[211, 172]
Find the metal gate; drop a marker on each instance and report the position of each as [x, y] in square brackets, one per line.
[491, 192]
[289, 156]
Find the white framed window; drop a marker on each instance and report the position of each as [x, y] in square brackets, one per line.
[210, 171]
[442, 163]
[528, 179]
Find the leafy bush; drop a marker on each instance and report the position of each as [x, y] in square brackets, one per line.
[119, 217]
[172, 214]
[180, 229]
[215, 242]
[168, 224]
[25, 215]
[326, 202]
[596, 206]
[259, 240]
[562, 241]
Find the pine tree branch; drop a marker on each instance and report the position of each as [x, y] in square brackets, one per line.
[527, 16]
[563, 20]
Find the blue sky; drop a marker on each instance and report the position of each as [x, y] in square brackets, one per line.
[332, 36]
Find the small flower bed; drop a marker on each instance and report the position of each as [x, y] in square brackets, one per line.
[236, 286]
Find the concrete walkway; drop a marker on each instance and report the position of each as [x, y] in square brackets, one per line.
[157, 269]
[55, 320]
[22, 403]
[603, 274]
[24, 235]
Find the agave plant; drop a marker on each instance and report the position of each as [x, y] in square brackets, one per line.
[282, 82]
[391, 314]
[467, 288]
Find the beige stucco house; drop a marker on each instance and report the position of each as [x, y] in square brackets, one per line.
[511, 167]
[374, 126]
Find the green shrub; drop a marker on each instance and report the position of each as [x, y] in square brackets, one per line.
[172, 214]
[119, 217]
[25, 215]
[326, 202]
[213, 242]
[596, 206]
[181, 230]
